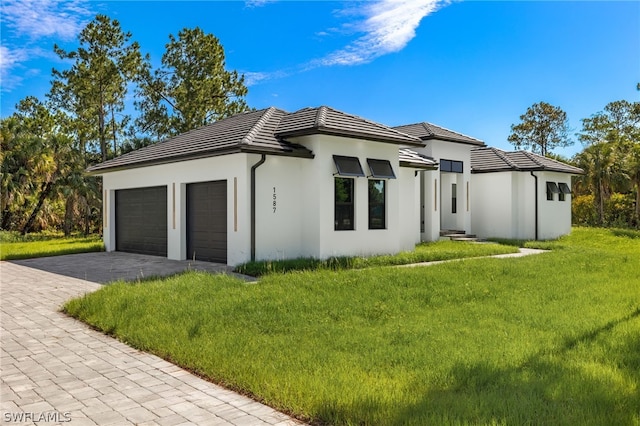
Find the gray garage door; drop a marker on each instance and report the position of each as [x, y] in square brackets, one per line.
[207, 221]
[141, 220]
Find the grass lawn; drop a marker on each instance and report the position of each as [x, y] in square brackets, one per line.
[425, 252]
[14, 246]
[546, 339]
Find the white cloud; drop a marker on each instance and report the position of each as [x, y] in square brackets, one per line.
[257, 3]
[29, 21]
[388, 26]
[253, 78]
[45, 18]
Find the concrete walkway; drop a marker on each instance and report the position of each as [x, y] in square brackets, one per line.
[521, 253]
[56, 370]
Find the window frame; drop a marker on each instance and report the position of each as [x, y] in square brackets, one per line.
[552, 188]
[564, 190]
[454, 198]
[451, 166]
[339, 206]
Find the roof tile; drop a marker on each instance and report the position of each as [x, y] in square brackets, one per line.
[426, 131]
[489, 159]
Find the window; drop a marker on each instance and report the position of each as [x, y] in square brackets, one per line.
[377, 205]
[564, 190]
[348, 166]
[454, 198]
[451, 166]
[344, 212]
[381, 169]
[552, 188]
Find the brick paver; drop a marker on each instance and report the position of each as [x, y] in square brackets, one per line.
[54, 369]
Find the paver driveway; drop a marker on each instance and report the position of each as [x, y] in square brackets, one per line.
[56, 369]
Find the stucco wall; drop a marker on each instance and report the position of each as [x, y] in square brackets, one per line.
[492, 206]
[280, 207]
[430, 204]
[554, 216]
[176, 176]
[319, 235]
[462, 219]
[409, 208]
[503, 205]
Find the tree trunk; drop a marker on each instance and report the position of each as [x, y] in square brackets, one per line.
[68, 215]
[103, 139]
[44, 193]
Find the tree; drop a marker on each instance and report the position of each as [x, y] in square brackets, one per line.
[93, 90]
[618, 123]
[616, 130]
[191, 89]
[543, 127]
[36, 153]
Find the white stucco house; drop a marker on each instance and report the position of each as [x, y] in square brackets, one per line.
[520, 195]
[317, 182]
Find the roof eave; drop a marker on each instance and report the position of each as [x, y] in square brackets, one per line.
[446, 139]
[355, 135]
[526, 169]
[248, 149]
[411, 165]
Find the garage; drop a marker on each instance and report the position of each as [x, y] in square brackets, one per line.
[141, 220]
[207, 221]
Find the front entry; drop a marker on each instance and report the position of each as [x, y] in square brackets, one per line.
[207, 221]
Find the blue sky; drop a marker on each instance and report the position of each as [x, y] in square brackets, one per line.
[471, 66]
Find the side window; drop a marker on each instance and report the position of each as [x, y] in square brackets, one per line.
[552, 188]
[343, 202]
[454, 198]
[377, 204]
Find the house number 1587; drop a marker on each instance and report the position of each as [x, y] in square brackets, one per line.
[274, 199]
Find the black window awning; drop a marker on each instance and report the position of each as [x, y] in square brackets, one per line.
[553, 188]
[564, 188]
[381, 169]
[348, 166]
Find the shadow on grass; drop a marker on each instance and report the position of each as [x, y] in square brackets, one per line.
[551, 387]
[628, 233]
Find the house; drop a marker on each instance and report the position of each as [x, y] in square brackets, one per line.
[444, 193]
[318, 182]
[520, 195]
[267, 185]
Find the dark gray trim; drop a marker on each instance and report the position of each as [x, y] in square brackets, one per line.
[263, 158]
[536, 205]
[553, 187]
[348, 166]
[380, 169]
[564, 188]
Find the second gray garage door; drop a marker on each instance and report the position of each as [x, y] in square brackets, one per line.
[207, 221]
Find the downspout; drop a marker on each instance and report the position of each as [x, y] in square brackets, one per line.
[536, 195]
[253, 205]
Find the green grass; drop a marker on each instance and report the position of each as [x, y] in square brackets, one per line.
[546, 339]
[425, 252]
[14, 246]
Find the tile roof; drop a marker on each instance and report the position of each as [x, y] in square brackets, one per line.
[263, 131]
[409, 158]
[426, 131]
[329, 121]
[246, 132]
[489, 159]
